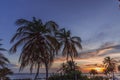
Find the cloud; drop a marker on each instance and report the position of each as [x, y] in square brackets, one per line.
[94, 65]
[104, 50]
[103, 34]
[60, 59]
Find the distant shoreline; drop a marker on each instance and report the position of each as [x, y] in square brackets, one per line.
[42, 75]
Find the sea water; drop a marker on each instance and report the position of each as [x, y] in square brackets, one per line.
[42, 75]
[26, 76]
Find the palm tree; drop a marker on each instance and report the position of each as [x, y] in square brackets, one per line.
[38, 42]
[68, 44]
[71, 66]
[68, 67]
[63, 68]
[110, 64]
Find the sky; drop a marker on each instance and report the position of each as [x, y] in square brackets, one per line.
[97, 22]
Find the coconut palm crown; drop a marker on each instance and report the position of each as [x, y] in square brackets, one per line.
[39, 45]
[69, 45]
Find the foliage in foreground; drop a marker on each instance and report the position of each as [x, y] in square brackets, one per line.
[23, 79]
[68, 67]
[4, 72]
[78, 76]
[98, 78]
[69, 76]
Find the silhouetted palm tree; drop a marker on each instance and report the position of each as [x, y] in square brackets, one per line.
[68, 67]
[69, 44]
[110, 64]
[63, 68]
[71, 66]
[38, 43]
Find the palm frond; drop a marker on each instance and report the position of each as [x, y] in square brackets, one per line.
[52, 25]
[75, 38]
[22, 21]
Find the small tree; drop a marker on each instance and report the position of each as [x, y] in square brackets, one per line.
[68, 67]
[110, 65]
[93, 72]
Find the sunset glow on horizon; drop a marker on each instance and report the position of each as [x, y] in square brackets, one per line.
[98, 69]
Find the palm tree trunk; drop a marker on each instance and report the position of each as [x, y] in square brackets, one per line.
[107, 75]
[71, 58]
[73, 67]
[46, 68]
[113, 76]
[37, 72]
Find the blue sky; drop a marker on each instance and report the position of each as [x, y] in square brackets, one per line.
[97, 22]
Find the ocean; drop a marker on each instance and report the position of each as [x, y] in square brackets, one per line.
[42, 75]
[26, 75]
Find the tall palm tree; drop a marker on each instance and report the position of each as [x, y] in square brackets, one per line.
[110, 65]
[68, 44]
[39, 45]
